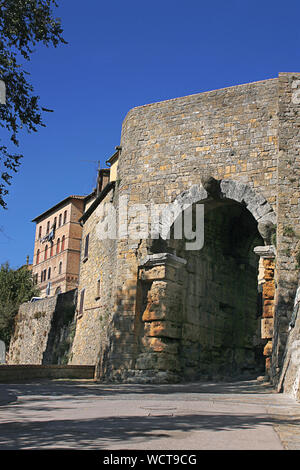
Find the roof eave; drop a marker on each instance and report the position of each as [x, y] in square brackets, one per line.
[56, 206]
[97, 201]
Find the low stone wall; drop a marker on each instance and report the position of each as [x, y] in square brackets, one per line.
[9, 373]
[43, 331]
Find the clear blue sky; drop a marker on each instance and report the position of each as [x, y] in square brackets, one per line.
[123, 54]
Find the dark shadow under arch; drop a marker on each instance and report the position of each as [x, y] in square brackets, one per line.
[220, 295]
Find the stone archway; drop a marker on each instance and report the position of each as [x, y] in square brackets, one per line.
[199, 312]
[236, 191]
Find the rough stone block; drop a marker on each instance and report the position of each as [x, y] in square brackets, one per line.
[191, 332]
[269, 290]
[150, 274]
[269, 264]
[157, 291]
[269, 274]
[163, 329]
[172, 274]
[268, 349]
[267, 327]
[160, 345]
[146, 361]
[167, 362]
[162, 311]
[268, 310]
[154, 311]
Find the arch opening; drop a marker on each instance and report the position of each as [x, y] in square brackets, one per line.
[220, 304]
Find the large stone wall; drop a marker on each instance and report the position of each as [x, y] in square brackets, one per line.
[43, 332]
[288, 210]
[229, 133]
[167, 149]
[96, 278]
[170, 311]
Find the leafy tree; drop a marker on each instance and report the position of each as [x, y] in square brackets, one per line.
[16, 287]
[23, 25]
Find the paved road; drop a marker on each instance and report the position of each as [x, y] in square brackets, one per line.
[68, 414]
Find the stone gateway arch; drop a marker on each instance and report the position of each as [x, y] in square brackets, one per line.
[174, 314]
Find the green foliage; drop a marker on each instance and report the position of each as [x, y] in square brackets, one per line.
[39, 315]
[23, 25]
[288, 231]
[16, 287]
[62, 352]
[286, 252]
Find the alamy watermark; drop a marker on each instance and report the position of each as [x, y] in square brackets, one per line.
[152, 221]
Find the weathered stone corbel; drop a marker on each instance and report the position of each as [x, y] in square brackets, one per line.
[267, 229]
[212, 187]
[160, 266]
[163, 258]
[265, 252]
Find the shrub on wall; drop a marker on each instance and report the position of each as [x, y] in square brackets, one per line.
[16, 287]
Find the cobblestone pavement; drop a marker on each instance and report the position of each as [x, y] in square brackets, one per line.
[69, 414]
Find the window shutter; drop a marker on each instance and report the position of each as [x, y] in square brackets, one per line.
[86, 247]
[98, 288]
[48, 290]
[81, 302]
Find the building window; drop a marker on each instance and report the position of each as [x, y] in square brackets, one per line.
[54, 223]
[48, 226]
[57, 246]
[38, 257]
[40, 232]
[98, 289]
[51, 249]
[63, 243]
[46, 252]
[49, 273]
[86, 247]
[60, 268]
[48, 288]
[58, 290]
[43, 275]
[81, 302]
[59, 220]
[65, 217]
[35, 279]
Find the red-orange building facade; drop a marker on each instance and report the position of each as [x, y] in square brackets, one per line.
[57, 247]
